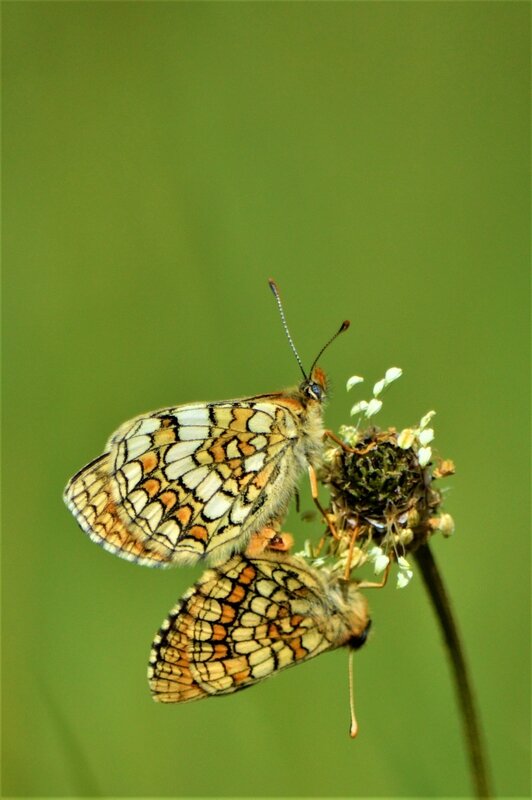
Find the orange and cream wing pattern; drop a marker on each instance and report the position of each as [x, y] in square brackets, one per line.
[88, 496]
[193, 481]
[247, 619]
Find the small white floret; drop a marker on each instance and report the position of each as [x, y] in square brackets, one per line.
[426, 419]
[353, 381]
[403, 578]
[392, 374]
[379, 386]
[426, 435]
[358, 407]
[374, 406]
[405, 440]
[424, 454]
[379, 558]
[403, 563]
[446, 524]
[349, 434]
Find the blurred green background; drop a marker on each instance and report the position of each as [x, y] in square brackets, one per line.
[161, 161]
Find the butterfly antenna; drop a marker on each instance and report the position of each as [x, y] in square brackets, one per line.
[354, 724]
[275, 290]
[343, 327]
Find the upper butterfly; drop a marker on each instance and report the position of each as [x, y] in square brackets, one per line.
[197, 481]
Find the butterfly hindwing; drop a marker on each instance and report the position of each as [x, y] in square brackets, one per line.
[88, 496]
[246, 620]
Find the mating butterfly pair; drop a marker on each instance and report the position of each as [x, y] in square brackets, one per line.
[200, 481]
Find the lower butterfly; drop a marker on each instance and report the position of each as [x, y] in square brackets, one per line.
[198, 481]
[249, 619]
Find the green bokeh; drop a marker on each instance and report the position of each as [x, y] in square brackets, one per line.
[161, 161]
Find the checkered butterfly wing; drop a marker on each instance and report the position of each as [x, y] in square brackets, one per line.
[246, 620]
[191, 481]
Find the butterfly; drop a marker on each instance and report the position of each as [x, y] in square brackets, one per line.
[249, 618]
[196, 481]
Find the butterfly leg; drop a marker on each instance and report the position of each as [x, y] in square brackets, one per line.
[328, 434]
[314, 491]
[375, 584]
[352, 541]
[268, 538]
[319, 546]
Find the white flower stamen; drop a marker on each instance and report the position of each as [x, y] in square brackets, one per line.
[353, 381]
[405, 440]
[426, 419]
[446, 524]
[392, 374]
[424, 454]
[426, 435]
[373, 407]
[379, 559]
[403, 578]
[379, 386]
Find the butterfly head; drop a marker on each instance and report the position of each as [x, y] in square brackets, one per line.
[358, 639]
[315, 387]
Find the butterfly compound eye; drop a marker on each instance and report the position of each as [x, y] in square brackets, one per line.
[315, 391]
[356, 641]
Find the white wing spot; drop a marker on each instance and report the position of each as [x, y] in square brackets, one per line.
[171, 530]
[180, 450]
[217, 506]
[260, 605]
[132, 472]
[153, 513]
[246, 647]
[259, 442]
[148, 425]
[266, 408]
[179, 468]
[285, 656]
[265, 587]
[195, 415]
[260, 422]
[195, 477]
[254, 463]
[208, 486]
[311, 640]
[138, 500]
[251, 620]
[239, 511]
[188, 432]
[137, 446]
[266, 667]
[232, 450]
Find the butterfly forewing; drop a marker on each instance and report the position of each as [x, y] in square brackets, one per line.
[197, 480]
[246, 620]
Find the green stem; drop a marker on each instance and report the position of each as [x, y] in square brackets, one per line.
[478, 759]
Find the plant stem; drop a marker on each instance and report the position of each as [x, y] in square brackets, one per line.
[478, 760]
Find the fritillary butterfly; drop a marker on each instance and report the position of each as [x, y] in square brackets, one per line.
[197, 481]
[248, 619]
